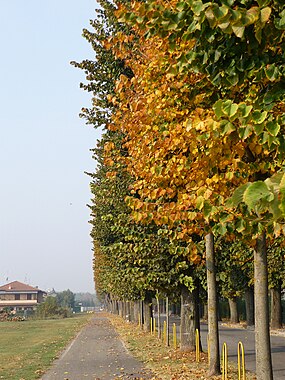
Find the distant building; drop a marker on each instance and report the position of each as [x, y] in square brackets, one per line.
[18, 296]
[88, 309]
[51, 293]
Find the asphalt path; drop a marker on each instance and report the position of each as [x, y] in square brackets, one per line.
[97, 353]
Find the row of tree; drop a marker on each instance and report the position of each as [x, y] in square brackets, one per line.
[191, 98]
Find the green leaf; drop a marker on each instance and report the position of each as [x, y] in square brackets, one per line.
[200, 202]
[218, 108]
[244, 109]
[210, 17]
[207, 210]
[224, 217]
[197, 7]
[280, 23]
[258, 129]
[220, 229]
[264, 138]
[229, 108]
[259, 117]
[182, 5]
[282, 193]
[273, 183]
[240, 225]
[263, 3]
[244, 132]
[276, 93]
[251, 16]
[265, 14]
[236, 15]
[273, 128]
[271, 72]
[237, 196]
[220, 12]
[238, 31]
[232, 80]
[226, 127]
[225, 26]
[272, 140]
[255, 193]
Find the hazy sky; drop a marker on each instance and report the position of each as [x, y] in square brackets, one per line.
[44, 146]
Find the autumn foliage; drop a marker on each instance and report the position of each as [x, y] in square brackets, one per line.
[193, 103]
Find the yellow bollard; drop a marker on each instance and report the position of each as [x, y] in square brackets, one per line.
[164, 332]
[197, 340]
[154, 327]
[151, 328]
[225, 362]
[174, 336]
[208, 345]
[241, 365]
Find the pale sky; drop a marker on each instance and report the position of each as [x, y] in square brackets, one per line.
[44, 145]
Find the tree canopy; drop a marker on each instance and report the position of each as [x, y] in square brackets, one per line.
[191, 98]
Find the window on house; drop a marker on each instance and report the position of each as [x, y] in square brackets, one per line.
[17, 297]
[29, 296]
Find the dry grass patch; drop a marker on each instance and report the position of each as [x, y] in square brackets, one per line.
[165, 362]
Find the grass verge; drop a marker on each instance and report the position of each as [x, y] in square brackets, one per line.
[28, 348]
[165, 362]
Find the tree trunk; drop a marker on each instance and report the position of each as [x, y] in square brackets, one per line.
[128, 311]
[234, 316]
[147, 311]
[108, 303]
[205, 311]
[120, 304]
[132, 311]
[116, 307]
[123, 309]
[249, 306]
[262, 336]
[187, 325]
[173, 309]
[141, 313]
[276, 309]
[214, 362]
[136, 311]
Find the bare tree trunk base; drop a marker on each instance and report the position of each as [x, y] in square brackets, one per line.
[213, 372]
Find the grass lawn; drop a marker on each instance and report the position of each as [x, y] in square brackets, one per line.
[28, 348]
[165, 362]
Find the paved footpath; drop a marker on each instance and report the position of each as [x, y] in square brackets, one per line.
[97, 353]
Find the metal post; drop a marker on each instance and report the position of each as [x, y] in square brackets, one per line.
[241, 365]
[167, 321]
[197, 339]
[164, 332]
[174, 336]
[225, 362]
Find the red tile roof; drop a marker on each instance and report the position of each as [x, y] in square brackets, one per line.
[17, 286]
